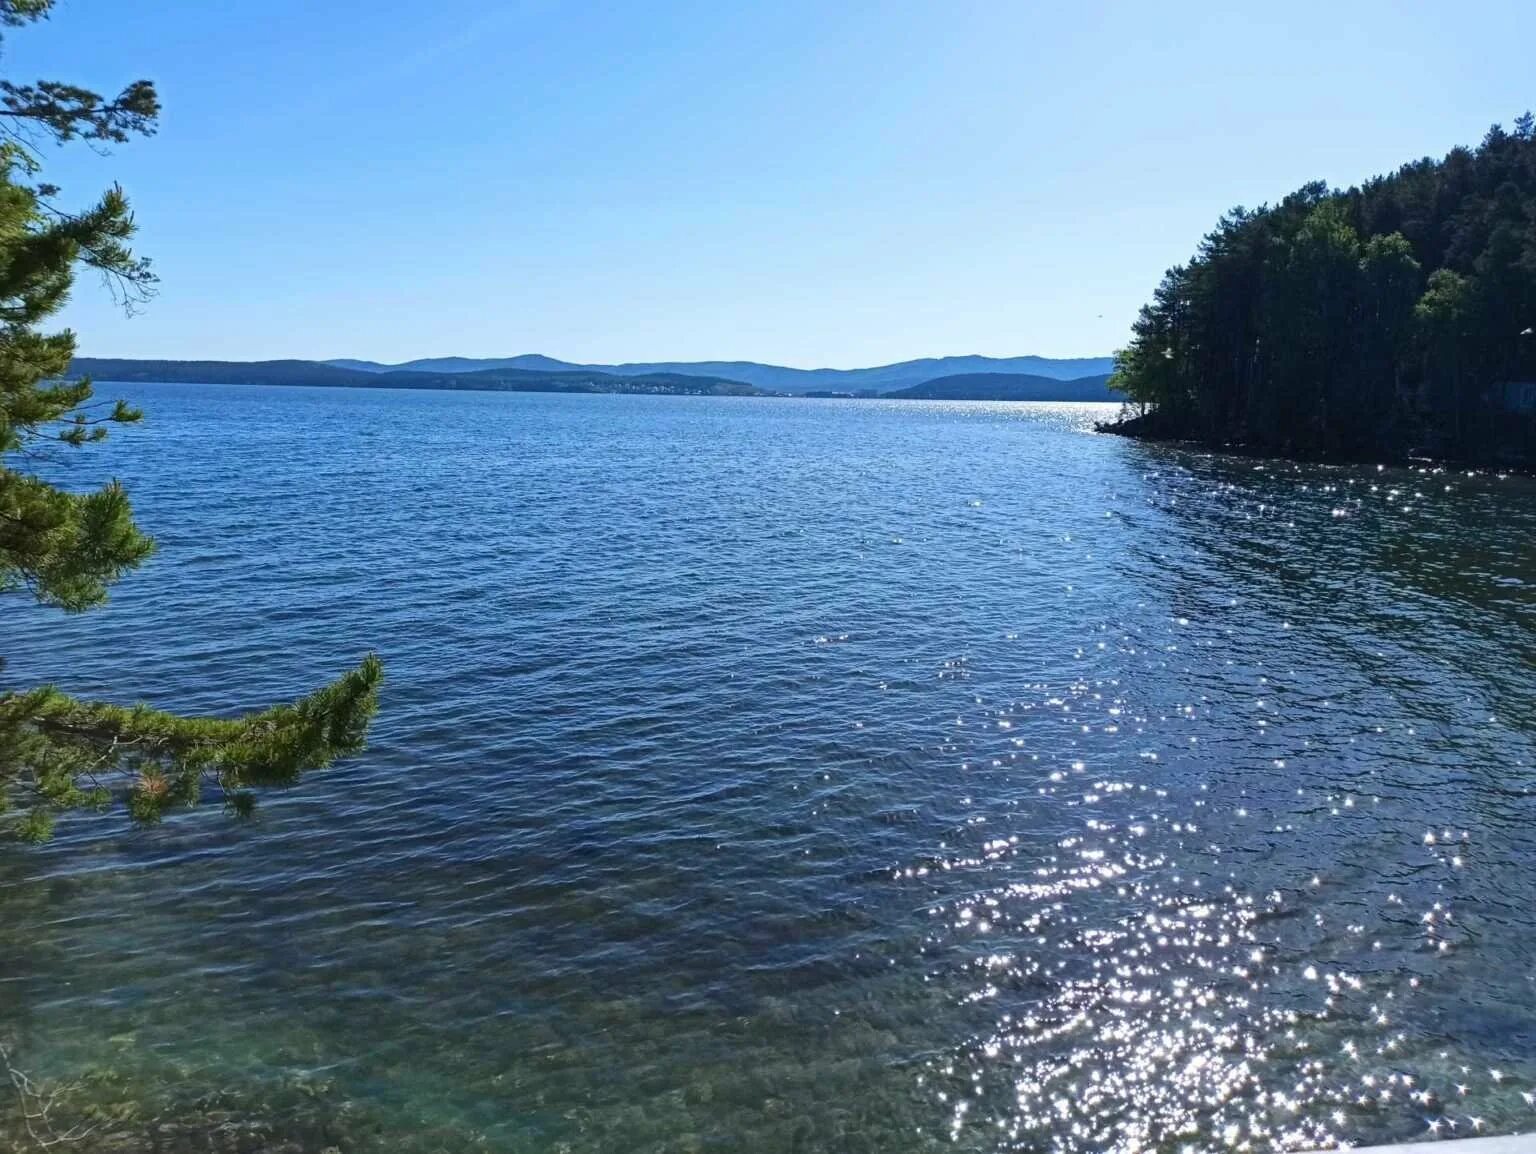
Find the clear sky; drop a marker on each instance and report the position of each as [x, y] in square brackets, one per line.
[809, 183]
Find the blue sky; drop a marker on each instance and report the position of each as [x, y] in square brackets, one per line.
[831, 183]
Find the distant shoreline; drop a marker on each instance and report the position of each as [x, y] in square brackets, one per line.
[988, 386]
[761, 394]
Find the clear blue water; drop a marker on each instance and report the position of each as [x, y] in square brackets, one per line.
[784, 775]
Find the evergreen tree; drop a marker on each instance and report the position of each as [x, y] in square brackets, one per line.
[65, 549]
[1368, 322]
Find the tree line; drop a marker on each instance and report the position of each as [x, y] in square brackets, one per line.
[1382, 321]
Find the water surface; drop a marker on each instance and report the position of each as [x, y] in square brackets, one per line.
[806, 775]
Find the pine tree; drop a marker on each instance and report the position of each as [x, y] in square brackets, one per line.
[65, 549]
[1374, 322]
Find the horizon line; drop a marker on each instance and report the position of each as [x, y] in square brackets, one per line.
[562, 360]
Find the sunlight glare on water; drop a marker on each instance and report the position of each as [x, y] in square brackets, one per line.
[809, 775]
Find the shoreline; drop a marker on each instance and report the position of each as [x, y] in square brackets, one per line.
[1145, 429]
[397, 386]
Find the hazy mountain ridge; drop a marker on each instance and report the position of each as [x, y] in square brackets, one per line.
[777, 378]
[301, 373]
[954, 386]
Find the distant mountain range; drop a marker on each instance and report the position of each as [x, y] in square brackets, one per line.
[775, 378]
[320, 373]
[1063, 381]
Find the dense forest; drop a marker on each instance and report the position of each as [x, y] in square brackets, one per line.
[1389, 320]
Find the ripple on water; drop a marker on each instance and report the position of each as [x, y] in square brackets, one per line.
[809, 775]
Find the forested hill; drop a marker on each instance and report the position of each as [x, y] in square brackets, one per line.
[1375, 322]
[778, 378]
[316, 373]
[964, 386]
[1009, 387]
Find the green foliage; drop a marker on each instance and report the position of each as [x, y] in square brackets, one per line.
[64, 753]
[13, 12]
[65, 549]
[1369, 322]
[66, 111]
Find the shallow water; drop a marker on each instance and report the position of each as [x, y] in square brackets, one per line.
[808, 775]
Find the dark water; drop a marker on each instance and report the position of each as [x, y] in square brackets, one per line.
[808, 775]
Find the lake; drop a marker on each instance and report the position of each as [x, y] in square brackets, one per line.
[793, 775]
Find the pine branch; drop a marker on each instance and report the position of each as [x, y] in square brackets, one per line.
[50, 741]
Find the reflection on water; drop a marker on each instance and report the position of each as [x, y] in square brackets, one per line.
[811, 776]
